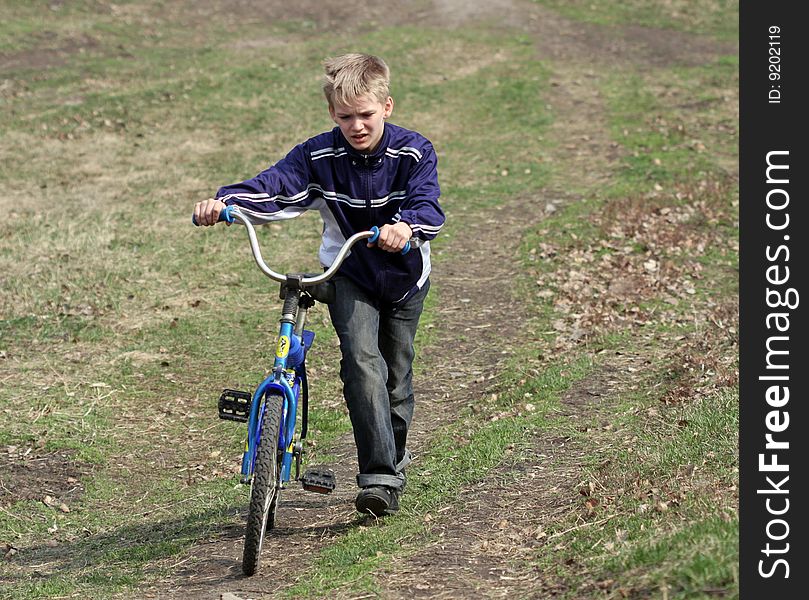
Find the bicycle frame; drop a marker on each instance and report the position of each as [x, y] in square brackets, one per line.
[285, 383]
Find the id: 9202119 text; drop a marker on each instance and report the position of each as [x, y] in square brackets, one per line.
[774, 66]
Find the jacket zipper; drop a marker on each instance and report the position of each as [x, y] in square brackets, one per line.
[369, 176]
[368, 181]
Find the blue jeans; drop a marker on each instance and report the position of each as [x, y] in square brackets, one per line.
[376, 341]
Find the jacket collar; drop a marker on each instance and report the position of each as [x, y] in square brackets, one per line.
[380, 149]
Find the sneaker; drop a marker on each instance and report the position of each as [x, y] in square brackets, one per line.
[377, 500]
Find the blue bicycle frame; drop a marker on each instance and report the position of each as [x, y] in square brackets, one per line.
[284, 384]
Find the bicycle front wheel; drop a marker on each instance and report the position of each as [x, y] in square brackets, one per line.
[266, 484]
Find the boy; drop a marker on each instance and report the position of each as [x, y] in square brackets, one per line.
[364, 172]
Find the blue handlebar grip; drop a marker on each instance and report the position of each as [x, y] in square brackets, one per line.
[223, 216]
[373, 238]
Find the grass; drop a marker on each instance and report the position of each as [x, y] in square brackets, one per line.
[719, 19]
[666, 142]
[120, 323]
[664, 508]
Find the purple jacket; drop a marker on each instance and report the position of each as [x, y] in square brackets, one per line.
[353, 191]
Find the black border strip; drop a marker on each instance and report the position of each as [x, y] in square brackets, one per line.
[774, 113]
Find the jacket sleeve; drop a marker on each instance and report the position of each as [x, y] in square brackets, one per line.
[283, 191]
[420, 209]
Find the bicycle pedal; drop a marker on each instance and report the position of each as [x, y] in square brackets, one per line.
[320, 480]
[234, 405]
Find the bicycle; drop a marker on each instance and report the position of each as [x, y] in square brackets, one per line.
[271, 412]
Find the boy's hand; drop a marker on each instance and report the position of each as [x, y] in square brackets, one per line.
[207, 211]
[392, 238]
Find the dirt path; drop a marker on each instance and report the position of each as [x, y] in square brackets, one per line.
[480, 542]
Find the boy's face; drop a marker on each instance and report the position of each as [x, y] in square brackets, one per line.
[362, 121]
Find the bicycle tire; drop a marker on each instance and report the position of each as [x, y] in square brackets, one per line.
[266, 485]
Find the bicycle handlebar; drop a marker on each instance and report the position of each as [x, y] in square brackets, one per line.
[231, 213]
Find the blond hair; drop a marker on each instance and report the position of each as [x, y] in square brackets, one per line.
[350, 76]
